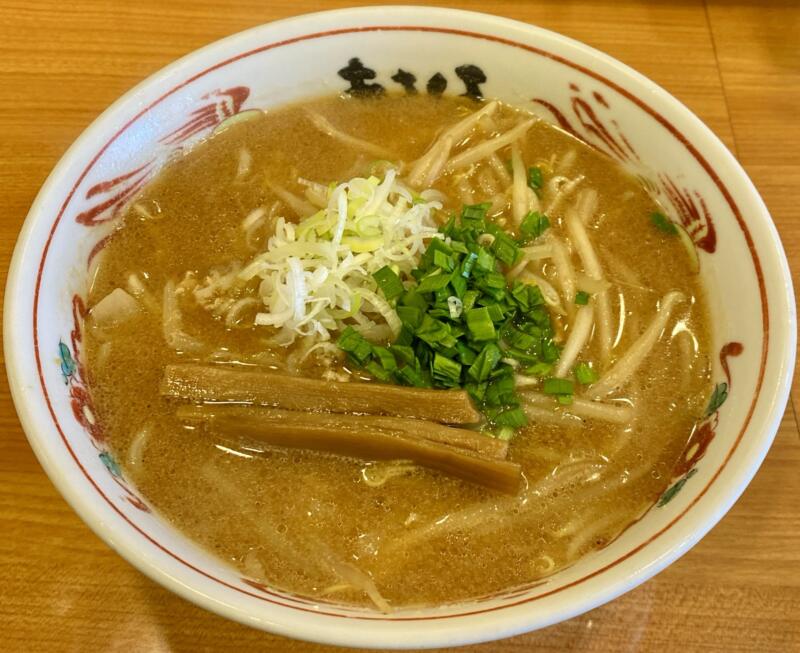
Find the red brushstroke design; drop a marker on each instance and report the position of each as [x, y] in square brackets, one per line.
[705, 431]
[561, 119]
[728, 350]
[593, 125]
[105, 186]
[113, 194]
[98, 247]
[698, 444]
[591, 128]
[622, 136]
[605, 135]
[116, 193]
[694, 214]
[81, 399]
[136, 502]
[600, 99]
[222, 105]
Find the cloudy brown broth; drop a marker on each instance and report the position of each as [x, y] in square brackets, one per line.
[306, 522]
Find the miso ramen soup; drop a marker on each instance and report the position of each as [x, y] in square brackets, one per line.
[397, 352]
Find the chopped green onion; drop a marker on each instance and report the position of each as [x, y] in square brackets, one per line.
[468, 264]
[435, 332]
[485, 260]
[433, 282]
[436, 246]
[477, 391]
[536, 298]
[424, 356]
[389, 282]
[519, 339]
[496, 294]
[663, 223]
[410, 316]
[404, 353]
[513, 417]
[526, 358]
[534, 225]
[539, 369]
[411, 377]
[443, 261]
[486, 361]
[534, 178]
[501, 390]
[406, 337]
[555, 386]
[581, 298]
[463, 324]
[469, 299]
[413, 298]
[474, 214]
[550, 351]
[494, 280]
[385, 358]
[375, 369]
[585, 374]
[446, 370]
[352, 342]
[480, 324]
[458, 284]
[466, 353]
[495, 312]
[505, 248]
[458, 246]
[519, 291]
[504, 433]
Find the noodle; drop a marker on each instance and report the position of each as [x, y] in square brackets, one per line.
[565, 272]
[592, 532]
[499, 169]
[300, 206]
[586, 205]
[481, 151]
[560, 188]
[576, 341]
[136, 448]
[454, 133]
[591, 264]
[438, 162]
[519, 188]
[324, 125]
[582, 408]
[622, 370]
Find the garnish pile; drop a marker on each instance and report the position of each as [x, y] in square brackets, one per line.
[463, 324]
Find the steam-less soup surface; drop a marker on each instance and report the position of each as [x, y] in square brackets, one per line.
[598, 447]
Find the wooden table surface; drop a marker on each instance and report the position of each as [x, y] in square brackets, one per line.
[736, 65]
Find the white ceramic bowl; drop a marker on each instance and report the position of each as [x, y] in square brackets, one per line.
[606, 103]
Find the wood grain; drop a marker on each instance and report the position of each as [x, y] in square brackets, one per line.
[759, 63]
[736, 65]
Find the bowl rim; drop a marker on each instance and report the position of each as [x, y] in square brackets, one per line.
[331, 633]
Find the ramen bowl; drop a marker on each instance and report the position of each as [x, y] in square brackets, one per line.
[360, 52]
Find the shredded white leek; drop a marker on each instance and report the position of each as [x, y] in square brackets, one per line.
[316, 275]
[455, 306]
